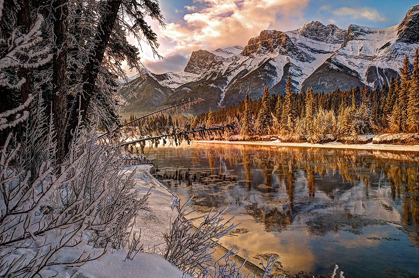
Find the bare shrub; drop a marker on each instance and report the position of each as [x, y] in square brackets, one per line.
[54, 216]
[189, 248]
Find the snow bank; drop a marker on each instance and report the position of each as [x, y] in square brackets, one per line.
[142, 266]
[400, 138]
[152, 223]
[155, 221]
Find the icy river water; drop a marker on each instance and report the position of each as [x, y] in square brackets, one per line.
[313, 207]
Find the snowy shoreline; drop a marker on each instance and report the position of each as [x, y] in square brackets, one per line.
[333, 145]
[152, 223]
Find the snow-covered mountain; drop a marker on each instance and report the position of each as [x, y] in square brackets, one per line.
[318, 56]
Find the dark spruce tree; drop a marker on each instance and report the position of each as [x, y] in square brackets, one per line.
[413, 99]
[264, 119]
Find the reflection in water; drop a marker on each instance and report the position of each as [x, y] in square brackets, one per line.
[313, 207]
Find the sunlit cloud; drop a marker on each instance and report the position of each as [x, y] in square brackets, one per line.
[210, 24]
[224, 23]
[361, 13]
[190, 8]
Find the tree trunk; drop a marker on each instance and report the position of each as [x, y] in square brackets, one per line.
[24, 20]
[104, 31]
[59, 103]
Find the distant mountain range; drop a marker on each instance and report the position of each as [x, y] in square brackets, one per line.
[320, 56]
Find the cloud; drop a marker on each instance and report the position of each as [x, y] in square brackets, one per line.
[190, 8]
[361, 13]
[173, 62]
[211, 24]
[325, 8]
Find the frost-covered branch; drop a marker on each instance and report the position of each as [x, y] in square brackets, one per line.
[23, 52]
[179, 135]
[50, 214]
[191, 248]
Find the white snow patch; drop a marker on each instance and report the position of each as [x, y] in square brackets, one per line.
[177, 79]
[142, 266]
[228, 51]
[367, 50]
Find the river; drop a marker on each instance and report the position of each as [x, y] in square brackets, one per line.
[313, 207]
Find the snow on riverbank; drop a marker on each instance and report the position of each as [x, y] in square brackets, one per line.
[152, 223]
[142, 266]
[332, 145]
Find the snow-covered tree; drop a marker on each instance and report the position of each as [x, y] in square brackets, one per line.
[61, 192]
[345, 121]
[81, 53]
[325, 123]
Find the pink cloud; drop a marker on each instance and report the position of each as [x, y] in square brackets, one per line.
[228, 22]
[222, 23]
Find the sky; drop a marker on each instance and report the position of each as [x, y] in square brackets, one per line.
[210, 24]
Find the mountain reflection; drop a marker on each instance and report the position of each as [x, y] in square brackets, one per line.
[332, 172]
[314, 191]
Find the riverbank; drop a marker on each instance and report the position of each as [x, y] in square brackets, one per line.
[331, 145]
[153, 223]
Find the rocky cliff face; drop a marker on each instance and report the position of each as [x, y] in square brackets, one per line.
[202, 61]
[266, 42]
[320, 56]
[408, 29]
[315, 30]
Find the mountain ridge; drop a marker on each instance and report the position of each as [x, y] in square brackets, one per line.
[315, 55]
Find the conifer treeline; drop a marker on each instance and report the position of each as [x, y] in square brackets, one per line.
[393, 108]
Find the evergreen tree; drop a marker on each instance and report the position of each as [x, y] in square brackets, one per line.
[287, 112]
[309, 109]
[264, 119]
[391, 97]
[353, 100]
[365, 98]
[395, 122]
[342, 125]
[413, 101]
[375, 111]
[403, 93]
[278, 108]
[210, 119]
[246, 129]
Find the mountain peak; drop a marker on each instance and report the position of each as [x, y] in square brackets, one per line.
[316, 55]
[202, 61]
[267, 41]
[407, 30]
[317, 31]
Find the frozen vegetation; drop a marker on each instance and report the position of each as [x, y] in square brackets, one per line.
[68, 205]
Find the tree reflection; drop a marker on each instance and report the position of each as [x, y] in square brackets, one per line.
[304, 176]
